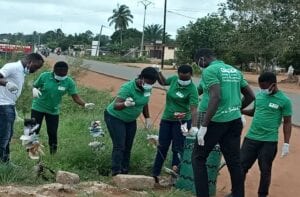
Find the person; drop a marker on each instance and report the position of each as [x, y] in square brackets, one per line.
[120, 117]
[48, 91]
[11, 83]
[179, 116]
[222, 121]
[271, 106]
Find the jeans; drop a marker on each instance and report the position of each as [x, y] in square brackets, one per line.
[7, 118]
[52, 126]
[122, 135]
[265, 152]
[169, 131]
[228, 136]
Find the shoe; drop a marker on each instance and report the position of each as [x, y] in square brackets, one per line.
[156, 180]
[228, 195]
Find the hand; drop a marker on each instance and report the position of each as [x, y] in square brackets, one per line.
[285, 149]
[36, 93]
[13, 88]
[148, 123]
[193, 131]
[129, 102]
[184, 129]
[200, 135]
[243, 120]
[89, 105]
[157, 68]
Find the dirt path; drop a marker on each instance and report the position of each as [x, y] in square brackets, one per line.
[286, 174]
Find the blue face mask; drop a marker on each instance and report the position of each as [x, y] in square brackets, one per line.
[147, 86]
[267, 91]
[59, 78]
[184, 83]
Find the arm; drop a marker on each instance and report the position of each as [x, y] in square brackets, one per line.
[200, 91]
[119, 104]
[249, 97]
[248, 112]
[287, 128]
[161, 79]
[194, 115]
[146, 111]
[76, 98]
[214, 100]
[2, 80]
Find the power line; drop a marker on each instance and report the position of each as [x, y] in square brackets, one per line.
[176, 13]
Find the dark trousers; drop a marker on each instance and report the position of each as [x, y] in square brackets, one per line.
[228, 136]
[52, 126]
[169, 131]
[7, 118]
[122, 135]
[265, 152]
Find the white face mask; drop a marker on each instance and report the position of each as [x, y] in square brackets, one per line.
[184, 83]
[147, 86]
[26, 70]
[265, 91]
[59, 78]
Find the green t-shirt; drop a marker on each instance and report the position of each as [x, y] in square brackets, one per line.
[52, 92]
[269, 111]
[141, 98]
[231, 81]
[205, 97]
[179, 99]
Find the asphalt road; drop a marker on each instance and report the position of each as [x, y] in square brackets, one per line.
[128, 73]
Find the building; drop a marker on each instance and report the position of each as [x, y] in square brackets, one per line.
[154, 50]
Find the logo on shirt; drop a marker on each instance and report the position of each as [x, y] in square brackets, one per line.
[179, 94]
[61, 88]
[273, 105]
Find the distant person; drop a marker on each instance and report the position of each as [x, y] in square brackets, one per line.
[120, 117]
[271, 106]
[48, 91]
[12, 76]
[180, 116]
[222, 121]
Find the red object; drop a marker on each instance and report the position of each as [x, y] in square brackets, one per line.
[10, 48]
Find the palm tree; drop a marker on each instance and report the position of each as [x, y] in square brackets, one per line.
[153, 32]
[121, 17]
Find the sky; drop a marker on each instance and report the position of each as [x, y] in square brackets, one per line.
[77, 16]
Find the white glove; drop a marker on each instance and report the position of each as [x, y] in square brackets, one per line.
[36, 93]
[200, 135]
[13, 88]
[148, 123]
[89, 105]
[193, 131]
[285, 149]
[243, 120]
[184, 129]
[129, 102]
[157, 68]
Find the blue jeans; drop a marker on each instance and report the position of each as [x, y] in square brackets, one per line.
[7, 118]
[122, 135]
[169, 131]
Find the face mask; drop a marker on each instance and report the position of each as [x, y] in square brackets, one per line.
[265, 91]
[147, 86]
[59, 78]
[184, 83]
[26, 70]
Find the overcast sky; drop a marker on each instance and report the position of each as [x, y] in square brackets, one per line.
[76, 16]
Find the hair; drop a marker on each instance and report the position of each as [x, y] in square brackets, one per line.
[61, 65]
[33, 57]
[185, 69]
[149, 73]
[203, 52]
[267, 77]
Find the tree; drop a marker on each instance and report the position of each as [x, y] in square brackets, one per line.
[153, 33]
[120, 18]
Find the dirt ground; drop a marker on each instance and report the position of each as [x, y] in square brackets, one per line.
[286, 174]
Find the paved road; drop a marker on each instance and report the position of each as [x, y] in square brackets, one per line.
[128, 73]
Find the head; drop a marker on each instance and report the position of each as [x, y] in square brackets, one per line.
[32, 62]
[267, 82]
[185, 73]
[204, 56]
[147, 78]
[60, 70]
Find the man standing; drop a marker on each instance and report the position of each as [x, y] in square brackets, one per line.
[222, 122]
[11, 83]
[271, 105]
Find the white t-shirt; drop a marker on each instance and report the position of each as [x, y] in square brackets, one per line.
[12, 72]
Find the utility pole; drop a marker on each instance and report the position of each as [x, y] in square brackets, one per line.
[164, 36]
[98, 46]
[145, 3]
